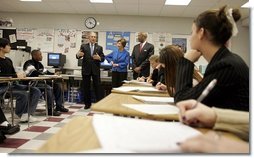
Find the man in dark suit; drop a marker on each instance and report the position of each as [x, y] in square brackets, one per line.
[140, 56]
[92, 55]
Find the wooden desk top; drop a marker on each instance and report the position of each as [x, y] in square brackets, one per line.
[112, 104]
[29, 78]
[78, 136]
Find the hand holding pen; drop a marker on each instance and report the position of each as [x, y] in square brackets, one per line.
[194, 113]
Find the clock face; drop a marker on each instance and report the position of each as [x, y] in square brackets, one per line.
[90, 22]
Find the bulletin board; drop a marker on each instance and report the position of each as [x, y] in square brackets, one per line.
[11, 35]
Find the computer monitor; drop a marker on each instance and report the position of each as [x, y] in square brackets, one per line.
[56, 60]
[106, 65]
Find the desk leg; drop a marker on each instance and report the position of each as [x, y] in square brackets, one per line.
[46, 97]
[63, 101]
[28, 106]
[52, 83]
[11, 97]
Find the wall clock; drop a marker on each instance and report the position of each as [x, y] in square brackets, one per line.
[90, 22]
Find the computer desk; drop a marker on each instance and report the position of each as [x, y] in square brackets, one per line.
[112, 104]
[78, 136]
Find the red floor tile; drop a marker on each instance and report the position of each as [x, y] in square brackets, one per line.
[54, 119]
[90, 114]
[75, 107]
[13, 142]
[68, 113]
[37, 129]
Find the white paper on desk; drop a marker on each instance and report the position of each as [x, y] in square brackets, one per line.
[137, 82]
[150, 99]
[138, 135]
[153, 109]
[136, 89]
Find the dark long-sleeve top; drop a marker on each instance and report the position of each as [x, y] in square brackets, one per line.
[6, 69]
[158, 76]
[120, 58]
[232, 88]
[39, 68]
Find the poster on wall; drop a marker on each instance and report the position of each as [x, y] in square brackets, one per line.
[44, 38]
[85, 37]
[160, 40]
[27, 34]
[182, 41]
[112, 37]
[65, 40]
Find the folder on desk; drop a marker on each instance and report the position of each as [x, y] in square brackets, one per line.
[154, 100]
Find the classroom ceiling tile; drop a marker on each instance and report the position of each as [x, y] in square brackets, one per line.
[145, 10]
[105, 9]
[172, 11]
[152, 2]
[133, 2]
[203, 3]
[127, 9]
[193, 11]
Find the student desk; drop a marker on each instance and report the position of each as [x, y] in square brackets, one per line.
[30, 79]
[79, 136]
[112, 104]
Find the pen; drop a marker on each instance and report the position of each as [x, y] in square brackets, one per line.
[205, 92]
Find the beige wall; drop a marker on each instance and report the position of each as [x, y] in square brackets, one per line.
[240, 44]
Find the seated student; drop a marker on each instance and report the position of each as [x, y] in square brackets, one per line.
[34, 68]
[169, 56]
[210, 32]
[157, 74]
[217, 119]
[19, 91]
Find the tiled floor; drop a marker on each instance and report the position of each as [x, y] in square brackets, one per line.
[29, 139]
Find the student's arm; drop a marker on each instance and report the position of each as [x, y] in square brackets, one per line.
[233, 121]
[109, 57]
[184, 81]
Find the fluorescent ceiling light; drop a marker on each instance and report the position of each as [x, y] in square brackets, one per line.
[30, 0]
[101, 1]
[177, 2]
[247, 5]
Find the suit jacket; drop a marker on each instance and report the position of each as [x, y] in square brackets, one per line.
[89, 65]
[142, 58]
[232, 88]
